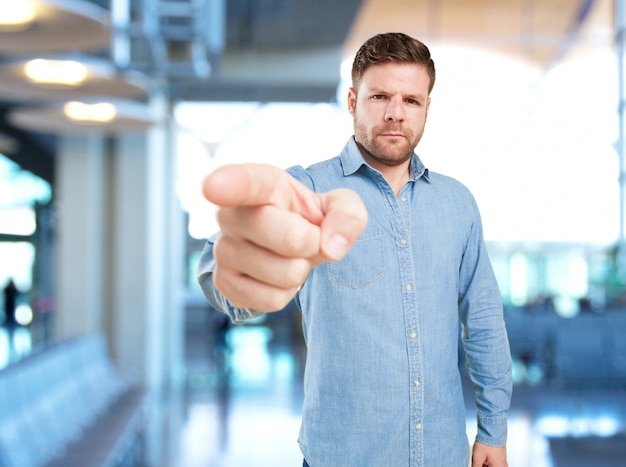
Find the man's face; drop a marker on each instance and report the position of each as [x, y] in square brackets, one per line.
[389, 109]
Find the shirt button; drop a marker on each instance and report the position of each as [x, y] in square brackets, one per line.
[413, 334]
[416, 383]
[418, 426]
[409, 287]
[403, 241]
[404, 198]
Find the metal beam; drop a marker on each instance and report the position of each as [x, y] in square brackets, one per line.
[248, 92]
[34, 152]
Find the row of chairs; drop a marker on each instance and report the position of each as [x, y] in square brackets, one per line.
[590, 347]
[68, 406]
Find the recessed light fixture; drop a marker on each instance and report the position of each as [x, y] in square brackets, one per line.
[81, 112]
[55, 73]
[17, 15]
[78, 116]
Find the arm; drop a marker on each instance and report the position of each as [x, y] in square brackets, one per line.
[484, 339]
[274, 230]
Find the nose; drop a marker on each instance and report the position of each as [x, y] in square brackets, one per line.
[394, 111]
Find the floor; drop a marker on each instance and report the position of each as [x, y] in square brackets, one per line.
[240, 407]
[255, 420]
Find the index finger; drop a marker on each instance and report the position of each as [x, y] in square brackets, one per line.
[242, 185]
[260, 184]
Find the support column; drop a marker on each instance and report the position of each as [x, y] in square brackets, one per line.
[120, 248]
[80, 225]
[620, 27]
[146, 272]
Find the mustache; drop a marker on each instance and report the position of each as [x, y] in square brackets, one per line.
[395, 128]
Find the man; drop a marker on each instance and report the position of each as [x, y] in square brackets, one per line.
[11, 293]
[382, 279]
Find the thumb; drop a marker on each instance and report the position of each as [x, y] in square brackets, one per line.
[344, 220]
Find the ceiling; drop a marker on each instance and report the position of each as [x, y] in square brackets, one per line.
[287, 50]
[291, 50]
[539, 31]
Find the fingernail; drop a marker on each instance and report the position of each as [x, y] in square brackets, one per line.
[336, 246]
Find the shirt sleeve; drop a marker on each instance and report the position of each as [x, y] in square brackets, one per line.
[206, 266]
[484, 337]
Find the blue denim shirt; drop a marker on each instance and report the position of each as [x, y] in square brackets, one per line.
[382, 382]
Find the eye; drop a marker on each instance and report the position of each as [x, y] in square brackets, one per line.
[378, 97]
[412, 101]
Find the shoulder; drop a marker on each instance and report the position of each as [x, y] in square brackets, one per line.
[450, 189]
[446, 182]
[317, 173]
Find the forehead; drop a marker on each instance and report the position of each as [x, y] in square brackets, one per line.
[405, 77]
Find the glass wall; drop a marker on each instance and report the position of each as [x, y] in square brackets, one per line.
[23, 196]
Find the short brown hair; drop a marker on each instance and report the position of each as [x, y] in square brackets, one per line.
[392, 47]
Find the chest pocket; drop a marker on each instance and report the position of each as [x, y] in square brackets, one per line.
[363, 265]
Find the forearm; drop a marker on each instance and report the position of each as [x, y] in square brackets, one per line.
[489, 367]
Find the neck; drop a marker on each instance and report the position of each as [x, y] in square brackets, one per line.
[397, 172]
[396, 175]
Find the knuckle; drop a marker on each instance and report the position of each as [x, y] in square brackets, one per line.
[220, 249]
[277, 301]
[226, 250]
[221, 215]
[221, 282]
[297, 241]
[295, 273]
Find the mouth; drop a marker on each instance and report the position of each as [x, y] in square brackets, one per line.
[392, 135]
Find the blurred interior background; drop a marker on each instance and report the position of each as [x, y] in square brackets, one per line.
[112, 112]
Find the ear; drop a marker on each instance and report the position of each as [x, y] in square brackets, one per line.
[351, 100]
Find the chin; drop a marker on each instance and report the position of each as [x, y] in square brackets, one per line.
[392, 161]
[396, 156]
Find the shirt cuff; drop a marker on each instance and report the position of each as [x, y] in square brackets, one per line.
[492, 430]
[221, 303]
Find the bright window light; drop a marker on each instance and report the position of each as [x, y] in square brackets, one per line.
[519, 276]
[18, 221]
[55, 73]
[20, 187]
[17, 263]
[520, 144]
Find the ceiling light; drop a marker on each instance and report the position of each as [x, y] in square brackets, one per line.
[76, 117]
[17, 15]
[101, 81]
[90, 113]
[55, 73]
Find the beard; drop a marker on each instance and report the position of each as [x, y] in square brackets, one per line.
[382, 151]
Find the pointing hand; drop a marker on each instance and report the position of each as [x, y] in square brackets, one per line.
[274, 230]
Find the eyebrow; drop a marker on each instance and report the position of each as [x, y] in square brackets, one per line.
[380, 90]
[415, 97]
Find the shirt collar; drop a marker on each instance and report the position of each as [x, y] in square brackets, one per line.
[352, 160]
